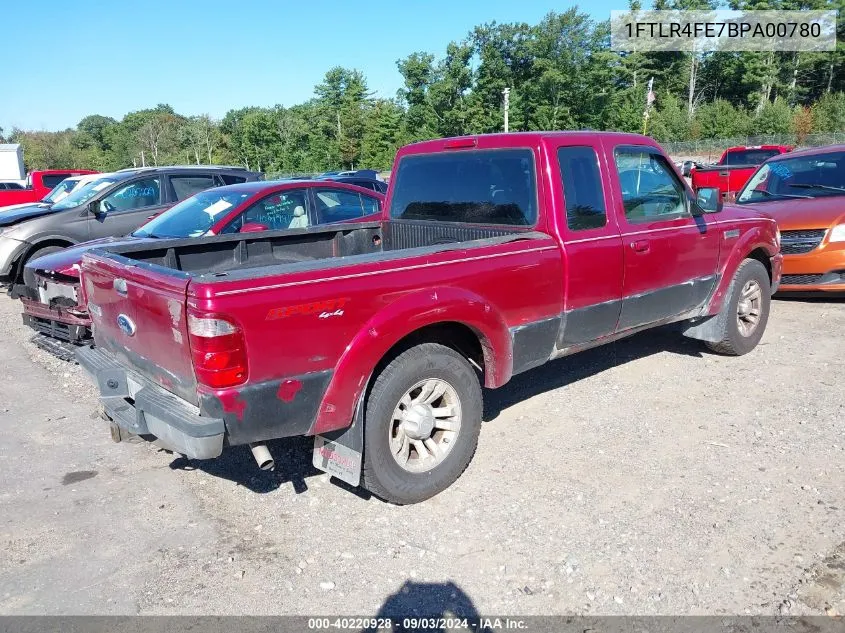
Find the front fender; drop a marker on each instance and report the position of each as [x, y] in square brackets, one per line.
[757, 238]
[396, 321]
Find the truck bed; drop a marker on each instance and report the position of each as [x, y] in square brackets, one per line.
[275, 252]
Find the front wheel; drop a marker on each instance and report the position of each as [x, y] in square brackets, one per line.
[421, 425]
[745, 312]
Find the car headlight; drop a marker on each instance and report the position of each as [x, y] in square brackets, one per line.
[837, 234]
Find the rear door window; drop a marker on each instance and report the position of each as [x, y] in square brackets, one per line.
[337, 205]
[186, 186]
[232, 180]
[51, 180]
[582, 190]
[473, 187]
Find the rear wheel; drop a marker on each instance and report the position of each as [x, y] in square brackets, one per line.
[422, 422]
[745, 312]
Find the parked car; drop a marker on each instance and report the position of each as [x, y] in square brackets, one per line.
[50, 294]
[66, 187]
[497, 253]
[113, 205]
[366, 178]
[39, 184]
[60, 191]
[734, 168]
[805, 192]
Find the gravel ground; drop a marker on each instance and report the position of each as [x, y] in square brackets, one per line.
[647, 477]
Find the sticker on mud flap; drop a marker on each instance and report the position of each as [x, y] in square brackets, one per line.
[337, 460]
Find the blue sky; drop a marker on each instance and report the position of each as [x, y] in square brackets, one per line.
[210, 56]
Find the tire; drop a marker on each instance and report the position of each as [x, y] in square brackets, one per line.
[27, 277]
[414, 377]
[734, 338]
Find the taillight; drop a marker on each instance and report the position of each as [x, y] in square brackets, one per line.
[218, 351]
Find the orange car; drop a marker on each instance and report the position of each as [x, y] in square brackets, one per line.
[805, 192]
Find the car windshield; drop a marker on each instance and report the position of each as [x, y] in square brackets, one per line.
[193, 217]
[748, 157]
[822, 175]
[84, 193]
[60, 191]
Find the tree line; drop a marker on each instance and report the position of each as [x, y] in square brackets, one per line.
[561, 73]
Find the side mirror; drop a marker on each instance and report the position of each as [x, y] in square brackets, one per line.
[253, 227]
[94, 208]
[709, 199]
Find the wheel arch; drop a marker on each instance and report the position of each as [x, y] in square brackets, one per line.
[452, 317]
[33, 247]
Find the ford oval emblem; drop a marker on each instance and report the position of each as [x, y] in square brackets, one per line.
[126, 324]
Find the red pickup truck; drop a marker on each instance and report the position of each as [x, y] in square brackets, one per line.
[39, 184]
[496, 254]
[734, 168]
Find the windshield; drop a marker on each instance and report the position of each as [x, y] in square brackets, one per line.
[61, 190]
[84, 193]
[193, 217]
[749, 157]
[816, 176]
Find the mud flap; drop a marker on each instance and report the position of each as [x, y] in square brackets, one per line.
[340, 453]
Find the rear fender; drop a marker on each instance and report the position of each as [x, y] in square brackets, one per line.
[759, 237]
[396, 321]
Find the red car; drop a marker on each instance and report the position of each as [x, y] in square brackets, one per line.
[50, 296]
[39, 184]
[496, 254]
[734, 168]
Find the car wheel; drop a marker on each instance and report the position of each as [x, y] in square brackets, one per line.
[421, 424]
[745, 312]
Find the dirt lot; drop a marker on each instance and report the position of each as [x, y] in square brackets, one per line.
[646, 477]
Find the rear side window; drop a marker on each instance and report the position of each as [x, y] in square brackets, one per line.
[186, 186]
[232, 180]
[579, 173]
[474, 187]
[337, 205]
[51, 181]
[749, 157]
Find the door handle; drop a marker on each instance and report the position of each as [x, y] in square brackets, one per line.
[640, 246]
[723, 173]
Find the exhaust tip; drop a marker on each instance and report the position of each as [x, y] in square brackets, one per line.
[262, 456]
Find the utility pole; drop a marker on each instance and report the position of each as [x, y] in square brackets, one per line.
[506, 93]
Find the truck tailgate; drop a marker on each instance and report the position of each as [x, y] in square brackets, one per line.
[139, 316]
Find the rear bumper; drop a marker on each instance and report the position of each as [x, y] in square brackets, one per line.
[65, 323]
[56, 323]
[144, 408]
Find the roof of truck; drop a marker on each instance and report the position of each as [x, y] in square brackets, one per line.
[518, 139]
